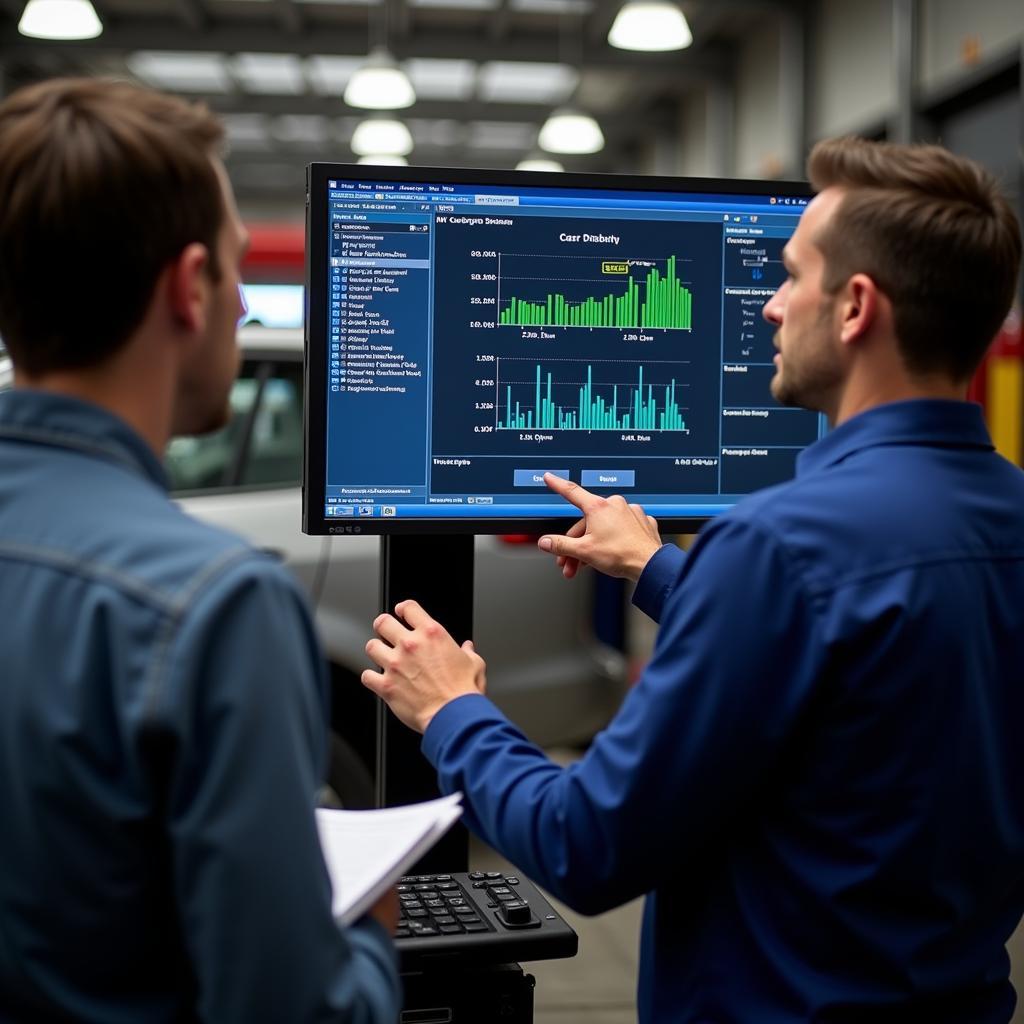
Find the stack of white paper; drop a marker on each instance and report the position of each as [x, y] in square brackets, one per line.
[368, 851]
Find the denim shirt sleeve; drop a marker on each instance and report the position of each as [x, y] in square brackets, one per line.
[696, 736]
[237, 717]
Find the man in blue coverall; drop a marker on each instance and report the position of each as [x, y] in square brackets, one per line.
[162, 693]
[819, 779]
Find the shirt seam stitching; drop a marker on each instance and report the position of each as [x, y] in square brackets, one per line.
[76, 443]
[88, 569]
[895, 564]
[154, 690]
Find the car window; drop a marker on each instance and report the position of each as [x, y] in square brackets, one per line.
[275, 447]
[260, 447]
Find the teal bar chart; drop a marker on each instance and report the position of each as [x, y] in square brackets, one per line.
[575, 400]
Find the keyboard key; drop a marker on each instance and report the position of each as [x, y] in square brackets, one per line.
[423, 887]
[445, 919]
[465, 913]
[506, 897]
[475, 926]
[476, 876]
[447, 886]
[500, 890]
[449, 929]
[442, 878]
[512, 880]
[492, 874]
[416, 912]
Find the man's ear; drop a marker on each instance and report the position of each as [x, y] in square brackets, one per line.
[188, 285]
[859, 308]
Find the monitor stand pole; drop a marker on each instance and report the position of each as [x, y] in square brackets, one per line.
[436, 571]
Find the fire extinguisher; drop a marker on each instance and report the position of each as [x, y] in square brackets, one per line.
[999, 387]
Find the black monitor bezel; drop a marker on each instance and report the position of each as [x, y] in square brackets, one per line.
[314, 522]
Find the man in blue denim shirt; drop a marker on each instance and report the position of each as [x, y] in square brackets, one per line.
[162, 694]
[819, 778]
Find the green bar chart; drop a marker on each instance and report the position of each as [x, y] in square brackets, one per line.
[638, 295]
[568, 395]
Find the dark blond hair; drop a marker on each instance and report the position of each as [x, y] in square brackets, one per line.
[104, 183]
[936, 235]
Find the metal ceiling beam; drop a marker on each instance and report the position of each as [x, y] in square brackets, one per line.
[277, 174]
[289, 16]
[126, 37]
[193, 14]
[478, 110]
[601, 17]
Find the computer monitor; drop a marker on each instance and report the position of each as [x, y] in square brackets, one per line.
[468, 330]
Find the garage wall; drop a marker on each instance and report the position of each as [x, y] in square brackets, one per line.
[955, 34]
[759, 125]
[694, 143]
[852, 81]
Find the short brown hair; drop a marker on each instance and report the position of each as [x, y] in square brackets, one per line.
[935, 234]
[103, 183]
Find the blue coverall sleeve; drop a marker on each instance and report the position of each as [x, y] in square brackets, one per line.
[694, 740]
[243, 712]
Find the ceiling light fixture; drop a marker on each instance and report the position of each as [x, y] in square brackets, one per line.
[569, 131]
[650, 25]
[60, 19]
[384, 160]
[539, 163]
[381, 136]
[380, 84]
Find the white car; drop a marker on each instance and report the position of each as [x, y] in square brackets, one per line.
[546, 669]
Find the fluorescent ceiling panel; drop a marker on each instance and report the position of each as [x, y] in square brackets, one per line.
[300, 128]
[429, 132]
[457, 5]
[329, 75]
[246, 131]
[525, 82]
[442, 79]
[345, 126]
[278, 74]
[182, 72]
[501, 135]
[552, 6]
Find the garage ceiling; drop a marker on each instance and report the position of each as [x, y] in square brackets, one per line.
[486, 72]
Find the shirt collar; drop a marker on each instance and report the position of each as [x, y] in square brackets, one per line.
[42, 417]
[922, 421]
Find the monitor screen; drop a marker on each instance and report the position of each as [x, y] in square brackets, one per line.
[468, 331]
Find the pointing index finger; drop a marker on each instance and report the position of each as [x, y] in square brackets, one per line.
[573, 493]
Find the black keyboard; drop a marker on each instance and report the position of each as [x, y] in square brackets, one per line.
[477, 917]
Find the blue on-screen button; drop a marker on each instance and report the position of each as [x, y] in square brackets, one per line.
[609, 478]
[535, 477]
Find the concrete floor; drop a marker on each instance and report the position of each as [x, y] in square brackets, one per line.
[598, 985]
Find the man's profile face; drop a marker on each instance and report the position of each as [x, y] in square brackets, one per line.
[808, 365]
[206, 381]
